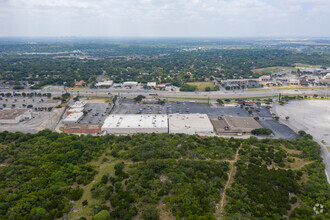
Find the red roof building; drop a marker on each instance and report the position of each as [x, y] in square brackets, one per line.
[79, 83]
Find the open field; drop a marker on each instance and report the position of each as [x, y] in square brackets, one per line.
[201, 85]
[271, 69]
[300, 65]
[98, 100]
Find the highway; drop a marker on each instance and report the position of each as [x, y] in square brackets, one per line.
[131, 93]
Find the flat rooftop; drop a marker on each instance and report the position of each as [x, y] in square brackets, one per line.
[11, 113]
[231, 124]
[75, 116]
[135, 121]
[189, 123]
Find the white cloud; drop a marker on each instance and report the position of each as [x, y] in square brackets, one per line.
[164, 17]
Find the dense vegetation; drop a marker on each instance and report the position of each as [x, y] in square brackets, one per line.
[56, 63]
[261, 131]
[266, 187]
[49, 175]
[38, 172]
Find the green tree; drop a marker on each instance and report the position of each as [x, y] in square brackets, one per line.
[150, 213]
[102, 215]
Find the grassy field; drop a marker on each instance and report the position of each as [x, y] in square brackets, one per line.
[306, 66]
[98, 100]
[202, 85]
[272, 69]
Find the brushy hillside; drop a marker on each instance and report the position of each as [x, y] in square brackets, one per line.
[159, 176]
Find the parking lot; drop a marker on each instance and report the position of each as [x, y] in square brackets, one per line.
[279, 130]
[263, 112]
[23, 102]
[96, 113]
[128, 107]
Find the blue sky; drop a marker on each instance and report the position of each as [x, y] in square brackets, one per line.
[165, 18]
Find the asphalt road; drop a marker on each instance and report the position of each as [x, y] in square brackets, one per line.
[130, 93]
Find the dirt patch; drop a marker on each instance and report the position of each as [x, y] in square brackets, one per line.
[163, 213]
[98, 100]
[291, 151]
[295, 205]
[298, 163]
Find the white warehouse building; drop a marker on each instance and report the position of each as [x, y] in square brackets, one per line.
[73, 118]
[190, 124]
[135, 123]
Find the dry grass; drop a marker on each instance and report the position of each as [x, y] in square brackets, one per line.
[298, 163]
[202, 85]
[291, 151]
[98, 100]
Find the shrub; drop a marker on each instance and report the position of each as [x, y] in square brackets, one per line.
[150, 213]
[261, 131]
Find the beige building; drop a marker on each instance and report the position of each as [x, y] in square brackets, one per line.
[190, 124]
[229, 125]
[135, 123]
[14, 116]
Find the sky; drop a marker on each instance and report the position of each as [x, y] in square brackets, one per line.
[165, 18]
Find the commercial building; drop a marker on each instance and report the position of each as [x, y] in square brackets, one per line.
[325, 80]
[78, 104]
[293, 82]
[134, 123]
[241, 83]
[130, 84]
[104, 84]
[151, 84]
[229, 125]
[117, 85]
[303, 80]
[82, 128]
[73, 118]
[14, 116]
[264, 78]
[75, 110]
[189, 124]
[79, 83]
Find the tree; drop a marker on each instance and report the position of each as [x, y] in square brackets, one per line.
[301, 133]
[139, 98]
[76, 99]
[150, 213]
[207, 89]
[261, 131]
[40, 212]
[102, 215]
[188, 88]
[220, 101]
